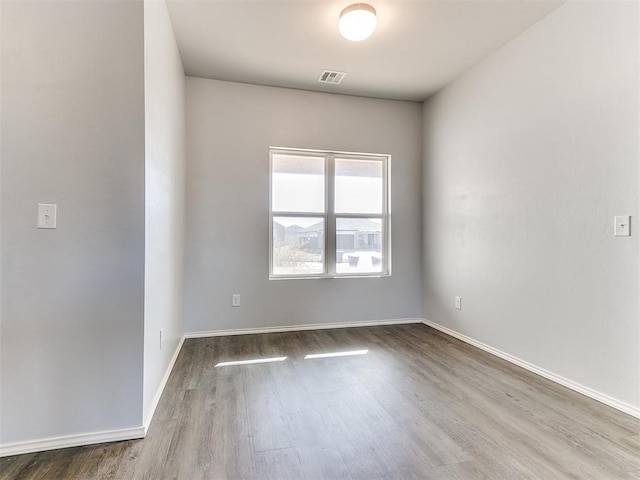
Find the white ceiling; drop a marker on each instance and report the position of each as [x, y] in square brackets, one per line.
[418, 47]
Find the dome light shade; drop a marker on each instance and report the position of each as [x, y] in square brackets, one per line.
[357, 22]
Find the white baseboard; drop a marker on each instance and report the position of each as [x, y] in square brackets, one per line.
[295, 328]
[140, 432]
[80, 440]
[565, 382]
[53, 443]
[163, 384]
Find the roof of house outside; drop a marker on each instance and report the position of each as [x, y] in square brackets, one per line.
[345, 225]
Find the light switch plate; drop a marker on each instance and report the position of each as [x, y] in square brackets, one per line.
[47, 213]
[622, 226]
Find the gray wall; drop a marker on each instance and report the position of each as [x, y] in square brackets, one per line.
[229, 130]
[164, 196]
[72, 298]
[528, 157]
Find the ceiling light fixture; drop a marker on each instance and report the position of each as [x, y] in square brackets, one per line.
[357, 22]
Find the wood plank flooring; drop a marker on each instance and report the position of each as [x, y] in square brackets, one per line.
[417, 405]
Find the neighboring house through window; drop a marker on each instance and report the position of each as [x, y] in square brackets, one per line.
[329, 214]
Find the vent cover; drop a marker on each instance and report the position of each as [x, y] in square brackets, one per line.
[332, 77]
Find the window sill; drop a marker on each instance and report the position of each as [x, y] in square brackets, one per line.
[323, 277]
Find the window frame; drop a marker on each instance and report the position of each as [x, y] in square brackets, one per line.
[329, 215]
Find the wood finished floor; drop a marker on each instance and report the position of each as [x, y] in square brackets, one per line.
[418, 405]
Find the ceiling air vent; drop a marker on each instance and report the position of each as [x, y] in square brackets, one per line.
[334, 78]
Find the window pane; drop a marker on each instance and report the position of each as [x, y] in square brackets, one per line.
[298, 245]
[359, 243]
[297, 183]
[358, 186]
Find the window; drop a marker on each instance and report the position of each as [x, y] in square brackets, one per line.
[329, 214]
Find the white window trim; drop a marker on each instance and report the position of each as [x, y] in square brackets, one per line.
[330, 216]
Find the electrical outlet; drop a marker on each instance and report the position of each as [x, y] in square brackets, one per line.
[622, 226]
[459, 303]
[161, 337]
[235, 300]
